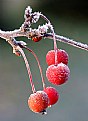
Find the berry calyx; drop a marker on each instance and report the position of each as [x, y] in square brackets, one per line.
[58, 74]
[38, 102]
[62, 56]
[52, 94]
[36, 39]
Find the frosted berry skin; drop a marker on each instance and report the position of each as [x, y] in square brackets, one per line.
[36, 39]
[52, 94]
[58, 74]
[38, 101]
[62, 56]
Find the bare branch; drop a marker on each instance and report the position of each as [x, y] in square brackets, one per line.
[42, 31]
[19, 33]
[68, 41]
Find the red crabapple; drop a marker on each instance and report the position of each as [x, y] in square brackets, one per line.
[62, 56]
[52, 94]
[57, 74]
[36, 39]
[38, 101]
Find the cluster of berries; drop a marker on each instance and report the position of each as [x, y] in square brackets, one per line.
[57, 73]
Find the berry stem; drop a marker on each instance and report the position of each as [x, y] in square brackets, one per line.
[28, 68]
[45, 18]
[40, 68]
[55, 46]
[53, 33]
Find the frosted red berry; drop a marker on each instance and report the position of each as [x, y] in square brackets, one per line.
[36, 39]
[62, 56]
[57, 74]
[38, 101]
[52, 94]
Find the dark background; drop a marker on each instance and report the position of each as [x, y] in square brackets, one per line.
[70, 19]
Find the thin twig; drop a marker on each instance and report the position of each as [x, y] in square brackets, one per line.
[28, 69]
[67, 41]
[18, 33]
[40, 68]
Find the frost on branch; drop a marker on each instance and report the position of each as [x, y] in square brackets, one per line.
[30, 17]
[42, 31]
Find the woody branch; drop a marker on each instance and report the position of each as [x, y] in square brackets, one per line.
[42, 31]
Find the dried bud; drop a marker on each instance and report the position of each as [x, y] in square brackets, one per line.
[43, 29]
[28, 12]
[16, 52]
[35, 17]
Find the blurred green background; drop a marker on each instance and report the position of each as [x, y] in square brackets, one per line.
[70, 19]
